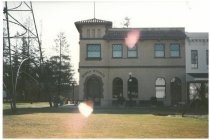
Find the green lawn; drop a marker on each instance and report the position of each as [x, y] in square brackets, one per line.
[103, 123]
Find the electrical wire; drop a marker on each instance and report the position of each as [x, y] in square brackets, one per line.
[21, 24]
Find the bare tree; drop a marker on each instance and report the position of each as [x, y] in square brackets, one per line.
[126, 22]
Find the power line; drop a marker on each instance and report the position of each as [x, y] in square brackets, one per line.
[10, 19]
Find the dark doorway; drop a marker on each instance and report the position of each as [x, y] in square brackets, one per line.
[93, 87]
[176, 90]
[132, 88]
[117, 88]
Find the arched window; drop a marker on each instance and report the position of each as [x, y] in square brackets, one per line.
[117, 88]
[160, 88]
[132, 87]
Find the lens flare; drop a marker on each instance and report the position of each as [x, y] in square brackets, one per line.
[132, 38]
[86, 108]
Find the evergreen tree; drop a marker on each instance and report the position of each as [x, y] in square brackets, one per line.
[62, 63]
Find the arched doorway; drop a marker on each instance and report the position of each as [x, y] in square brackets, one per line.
[176, 90]
[93, 89]
[132, 88]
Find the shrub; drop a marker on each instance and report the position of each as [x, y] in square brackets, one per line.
[153, 100]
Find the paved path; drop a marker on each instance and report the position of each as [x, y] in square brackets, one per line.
[69, 106]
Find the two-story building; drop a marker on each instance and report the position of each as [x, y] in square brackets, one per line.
[196, 61]
[153, 67]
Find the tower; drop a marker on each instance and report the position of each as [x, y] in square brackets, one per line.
[17, 27]
[92, 44]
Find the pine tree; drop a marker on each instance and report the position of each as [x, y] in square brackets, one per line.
[62, 63]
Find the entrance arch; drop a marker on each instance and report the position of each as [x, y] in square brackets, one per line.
[176, 90]
[132, 87]
[93, 89]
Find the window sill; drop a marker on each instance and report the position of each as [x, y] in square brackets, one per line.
[159, 57]
[117, 57]
[132, 57]
[175, 57]
[93, 59]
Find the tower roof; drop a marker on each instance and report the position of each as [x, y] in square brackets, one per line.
[146, 33]
[93, 21]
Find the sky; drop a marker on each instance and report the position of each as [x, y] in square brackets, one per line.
[53, 17]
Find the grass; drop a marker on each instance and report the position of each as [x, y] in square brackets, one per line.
[103, 123]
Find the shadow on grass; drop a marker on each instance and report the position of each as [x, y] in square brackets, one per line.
[21, 111]
[159, 111]
[162, 111]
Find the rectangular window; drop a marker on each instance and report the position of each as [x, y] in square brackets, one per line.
[194, 59]
[132, 52]
[159, 50]
[194, 90]
[160, 92]
[117, 50]
[175, 50]
[93, 51]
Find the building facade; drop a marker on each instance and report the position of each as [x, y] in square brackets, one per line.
[153, 67]
[196, 61]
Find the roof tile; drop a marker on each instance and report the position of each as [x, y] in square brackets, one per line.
[147, 34]
[93, 20]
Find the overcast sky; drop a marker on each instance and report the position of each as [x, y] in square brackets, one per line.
[58, 17]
